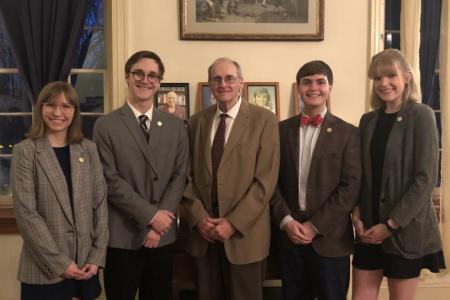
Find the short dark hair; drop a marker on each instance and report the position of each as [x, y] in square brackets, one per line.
[145, 54]
[315, 67]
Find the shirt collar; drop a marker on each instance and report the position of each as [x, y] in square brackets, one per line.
[136, 113]
[232, 113]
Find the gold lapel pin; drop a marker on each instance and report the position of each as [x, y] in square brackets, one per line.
[329, 129]
[399, 119]
[159, 123]
[81, 160]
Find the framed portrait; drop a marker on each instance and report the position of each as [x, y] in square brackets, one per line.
[204, 96]
[174, 99]
[264, 94]
[298, 103]
[252, 20]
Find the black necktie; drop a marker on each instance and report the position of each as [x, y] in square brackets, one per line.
[216, 156]
[142, 123]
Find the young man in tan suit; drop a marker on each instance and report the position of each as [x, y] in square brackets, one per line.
[233, 172]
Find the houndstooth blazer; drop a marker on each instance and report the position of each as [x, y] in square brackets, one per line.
[55, 234]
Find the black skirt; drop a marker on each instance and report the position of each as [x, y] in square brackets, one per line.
[63, 290]
[372, 257]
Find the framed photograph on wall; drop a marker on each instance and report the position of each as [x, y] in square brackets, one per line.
[204, 96]
[298, 103]
[252, 20]
[264, 94]
[174, 99]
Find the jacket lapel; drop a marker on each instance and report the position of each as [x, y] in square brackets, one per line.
[77, 159]
[205, 136]
[293, 142]
[366, 156]
[50, 166]
[155, 128]
[135, 131]
[323, 140]
[239, 127]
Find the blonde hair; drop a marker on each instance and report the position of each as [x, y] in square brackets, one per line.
[48, 95]
[388, 62]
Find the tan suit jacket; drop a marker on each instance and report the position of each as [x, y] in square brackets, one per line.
[246, 180]
[332, 188]
[55, 233]
[142, 177]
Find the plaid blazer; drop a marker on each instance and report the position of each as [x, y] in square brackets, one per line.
[55, 233]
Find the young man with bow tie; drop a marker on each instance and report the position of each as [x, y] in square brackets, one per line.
[318, 185]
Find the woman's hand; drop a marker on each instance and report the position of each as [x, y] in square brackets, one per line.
[73, 272]
[377, 234]
[357, 223]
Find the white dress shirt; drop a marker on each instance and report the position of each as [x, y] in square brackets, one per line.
[229, 122]
[148, 113]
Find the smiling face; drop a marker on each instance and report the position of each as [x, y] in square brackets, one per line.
[57, 114]
[261, 99]
[389, 85]
[225, 84]
[171, 99]
[314, 91]
[142, 90]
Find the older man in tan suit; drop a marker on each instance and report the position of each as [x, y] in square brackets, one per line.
[233, 172]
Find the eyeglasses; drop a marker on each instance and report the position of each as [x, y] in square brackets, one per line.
[65, 107]
[228, 80]
[139, 76]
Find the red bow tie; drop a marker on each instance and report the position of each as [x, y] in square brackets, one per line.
[314, 121]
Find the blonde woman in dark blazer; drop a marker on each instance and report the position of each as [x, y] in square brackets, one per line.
[60, 200]
[395, 221]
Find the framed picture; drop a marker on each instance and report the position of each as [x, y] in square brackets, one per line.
[174, 98]
[264, 94]
[298, 103]
[251, 19]
[204, 96]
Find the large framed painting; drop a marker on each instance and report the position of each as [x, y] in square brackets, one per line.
[264, 94]
[174, 99]
[252, 19]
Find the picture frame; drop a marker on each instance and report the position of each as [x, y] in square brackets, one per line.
[297, 101]
[252, 20]
[264, 94]
[174, 99]
[204, 96]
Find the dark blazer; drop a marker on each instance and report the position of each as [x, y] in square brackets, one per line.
[332, 187]
[142, 178]
[54, 232]
[409, 175]
[246, 178]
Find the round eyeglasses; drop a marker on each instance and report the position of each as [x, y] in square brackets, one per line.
[139, 76]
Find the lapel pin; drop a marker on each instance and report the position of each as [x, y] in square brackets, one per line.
[399, 119]
[81, 160]
[159, 123]
[329, 129]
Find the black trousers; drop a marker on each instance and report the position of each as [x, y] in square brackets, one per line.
[146, 270]
[307, 276]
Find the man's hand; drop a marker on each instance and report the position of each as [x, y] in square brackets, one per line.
[206, 229]
[152, 239]
[292, 229]
[223, 229]
[307, 232]
[89, 271]
[162, 221]
[73, 272]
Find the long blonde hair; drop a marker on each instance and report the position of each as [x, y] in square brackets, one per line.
[48, 95]
[388, 62]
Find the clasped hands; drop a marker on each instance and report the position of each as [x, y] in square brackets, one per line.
[216, 229]
[374, 235]
[84, 273]
[300, 233]
[160, 225]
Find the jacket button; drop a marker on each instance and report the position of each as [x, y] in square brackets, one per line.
[382, 200]
[155, 178]
[153, 202]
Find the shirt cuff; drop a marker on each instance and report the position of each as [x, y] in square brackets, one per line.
[285, 220]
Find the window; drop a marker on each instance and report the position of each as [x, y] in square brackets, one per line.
[87, 76]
